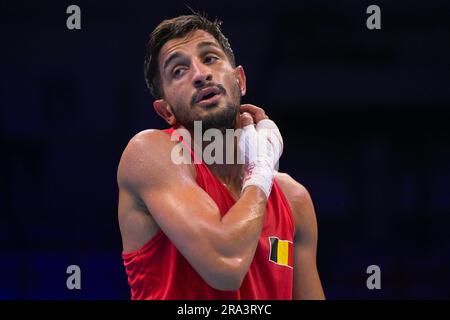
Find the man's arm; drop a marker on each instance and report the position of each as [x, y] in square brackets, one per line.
[220, 249]
[307, 285]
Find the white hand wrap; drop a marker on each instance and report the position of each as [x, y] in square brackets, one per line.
[261, 148]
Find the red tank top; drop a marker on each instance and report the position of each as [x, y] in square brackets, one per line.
[159, 271]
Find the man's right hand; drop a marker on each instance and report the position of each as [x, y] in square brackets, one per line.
[261, 147]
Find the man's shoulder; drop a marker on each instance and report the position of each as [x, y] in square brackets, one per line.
[292, 189]
[146, 155]
[147, 144]
[148, 137]
[298, 196]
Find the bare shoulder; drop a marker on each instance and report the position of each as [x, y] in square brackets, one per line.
[294, 191]
[147, 157]
[300, 201]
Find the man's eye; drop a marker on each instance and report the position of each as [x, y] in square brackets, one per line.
[178, 72]
[210, 59]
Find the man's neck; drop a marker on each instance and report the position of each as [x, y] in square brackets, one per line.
[230, 171]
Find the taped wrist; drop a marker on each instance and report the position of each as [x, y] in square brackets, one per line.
[259, 159]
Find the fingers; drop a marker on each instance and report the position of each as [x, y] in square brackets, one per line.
[257, 113]
[246, 119]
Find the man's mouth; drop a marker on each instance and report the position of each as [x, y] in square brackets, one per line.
[208, 93]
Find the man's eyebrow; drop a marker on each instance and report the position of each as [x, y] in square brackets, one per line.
[200, 46]
[204, 44]
[172, 57]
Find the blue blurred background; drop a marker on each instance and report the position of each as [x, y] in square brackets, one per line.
[364, 116]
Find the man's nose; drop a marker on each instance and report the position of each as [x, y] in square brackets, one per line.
[202, 74]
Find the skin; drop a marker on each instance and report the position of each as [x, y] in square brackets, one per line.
[155, 193]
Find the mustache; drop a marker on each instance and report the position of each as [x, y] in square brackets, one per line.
[221, 88]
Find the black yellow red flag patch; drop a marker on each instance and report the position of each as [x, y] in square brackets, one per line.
[281, 252]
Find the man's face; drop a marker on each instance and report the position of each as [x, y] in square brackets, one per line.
[198, 82]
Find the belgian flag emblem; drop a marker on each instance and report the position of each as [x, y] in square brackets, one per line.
[281, 252]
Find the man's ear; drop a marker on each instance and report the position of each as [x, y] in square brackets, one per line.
[241, 79]
[165, 111]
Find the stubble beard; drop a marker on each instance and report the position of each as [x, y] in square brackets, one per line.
[213, 116]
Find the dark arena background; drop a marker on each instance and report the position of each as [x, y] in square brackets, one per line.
[364, 115]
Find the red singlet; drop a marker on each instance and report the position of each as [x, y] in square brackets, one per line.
[159, 271]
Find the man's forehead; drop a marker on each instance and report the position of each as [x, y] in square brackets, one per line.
[189, 41]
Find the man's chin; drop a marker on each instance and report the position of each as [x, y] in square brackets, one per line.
[224, 118]
[210, 106]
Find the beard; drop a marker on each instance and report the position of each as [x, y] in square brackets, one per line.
[222, 119]
[212, 116]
